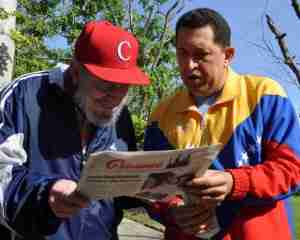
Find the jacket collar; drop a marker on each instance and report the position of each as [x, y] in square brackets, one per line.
[231, 90]
[56, 76]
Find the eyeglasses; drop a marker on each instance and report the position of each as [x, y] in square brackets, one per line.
[106, 86]
[103, 85]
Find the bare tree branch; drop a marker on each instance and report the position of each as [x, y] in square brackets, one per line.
[147, 25]
[108, 7]
[268, 49]
[179, 9]
[288, 60]
[162, 36]
[277, 60]
[130, 15]
[148, 21]
[296, 7]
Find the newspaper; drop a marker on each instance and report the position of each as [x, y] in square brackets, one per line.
[151, 175]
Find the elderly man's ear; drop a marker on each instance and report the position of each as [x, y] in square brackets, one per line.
[75, 72]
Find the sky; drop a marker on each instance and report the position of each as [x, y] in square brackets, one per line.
[250, 35]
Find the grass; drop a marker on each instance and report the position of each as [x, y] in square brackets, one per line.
[140, 216]
[296, 203]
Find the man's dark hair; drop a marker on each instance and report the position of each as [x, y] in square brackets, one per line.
[202, 17]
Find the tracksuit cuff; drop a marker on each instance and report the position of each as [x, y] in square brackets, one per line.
[241, 184]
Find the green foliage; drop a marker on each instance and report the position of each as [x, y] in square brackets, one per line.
[149, 20]
[34, 19]
[4, 14]
[139, 125]
[296, 207]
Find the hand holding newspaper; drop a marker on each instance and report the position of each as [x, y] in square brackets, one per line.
[151, 175]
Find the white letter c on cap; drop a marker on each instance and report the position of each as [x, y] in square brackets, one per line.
[120, 53]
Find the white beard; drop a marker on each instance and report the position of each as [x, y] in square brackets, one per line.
[102, 121]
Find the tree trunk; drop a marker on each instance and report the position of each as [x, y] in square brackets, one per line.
[7, 46]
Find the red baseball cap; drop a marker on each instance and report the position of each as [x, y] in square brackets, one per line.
[110, 53]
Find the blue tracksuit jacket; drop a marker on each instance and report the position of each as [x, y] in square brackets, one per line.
[40, 143]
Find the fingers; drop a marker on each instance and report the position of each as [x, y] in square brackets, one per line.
[211, 227]
[205, 193]
[187, 220]
[195, 223]
[213, 186]
[182, 213]
[194, 199]
[64, 200]
[208, 180]
[195, 228]
[210, 196]
[78, 198]
[63, 208]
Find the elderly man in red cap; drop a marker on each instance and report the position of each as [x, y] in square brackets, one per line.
[49, 124]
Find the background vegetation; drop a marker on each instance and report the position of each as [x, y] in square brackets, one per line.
[38, 21]
[296, 205]
[149, 20]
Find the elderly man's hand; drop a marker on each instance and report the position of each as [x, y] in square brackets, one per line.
[64, 200]
[213, 187]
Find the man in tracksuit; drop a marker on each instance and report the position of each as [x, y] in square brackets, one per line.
[50, 122]
[244, 196]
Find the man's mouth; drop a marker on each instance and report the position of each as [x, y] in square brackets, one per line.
[194, 77]
[108, 105]
[196, 81]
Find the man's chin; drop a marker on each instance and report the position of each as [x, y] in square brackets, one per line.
[105, 119]
[101, 122]
[199, 93]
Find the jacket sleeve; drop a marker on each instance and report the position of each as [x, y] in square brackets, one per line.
[278, 176]
[23, 192]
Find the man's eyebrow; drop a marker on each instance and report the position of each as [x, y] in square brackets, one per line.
[180, 48]
[202, 51]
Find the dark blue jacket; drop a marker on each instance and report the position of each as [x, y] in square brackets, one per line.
[39, 144]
